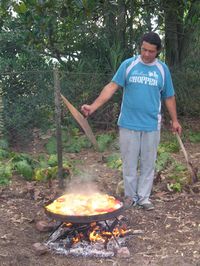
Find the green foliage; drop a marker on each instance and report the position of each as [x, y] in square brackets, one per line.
[51, 172]
[178, 167]
[53, 160]
[163, 160]
[170, 146]
[176, 172]
[175, 187]
[42, 161]
[4, 144]
[186, 81]
[23, 164]
[43, 168]
[44, 174]
[24, 168]
[177, 176]
[18, 157]
[5, 174]
[76, 144]
[114, 161]
[104, 140]
[51, 146]
[194, 137]
[99, 34]
[72, 144]
[3, 154]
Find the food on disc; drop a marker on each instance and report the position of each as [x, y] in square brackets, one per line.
[84, 205]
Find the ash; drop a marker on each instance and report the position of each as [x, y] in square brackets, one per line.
[62, 242]
[86, 249]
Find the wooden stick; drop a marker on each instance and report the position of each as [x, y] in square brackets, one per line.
[189, 164]
[81, 120]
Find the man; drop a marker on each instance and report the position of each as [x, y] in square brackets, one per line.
[145, 81]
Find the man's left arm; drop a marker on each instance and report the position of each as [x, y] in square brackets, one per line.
[170, 103]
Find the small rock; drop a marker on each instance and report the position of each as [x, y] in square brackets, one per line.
[44, 226]
[123, 252]
[40, 248]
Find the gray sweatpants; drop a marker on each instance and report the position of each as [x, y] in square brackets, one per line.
[139, 152]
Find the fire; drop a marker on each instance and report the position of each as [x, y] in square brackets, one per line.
[84, 204]
[78, 238]
[100, 234]
[94, 236]
[95, 232]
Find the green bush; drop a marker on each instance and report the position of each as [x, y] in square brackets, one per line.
[53, 160]
[4, 144]
[76, 144]
[163, 160]
[104, 140]
[24, 168]
[5, 174]
[194, 137]
[170, 146]
[51, 146]
[114, 161]
[3, 154]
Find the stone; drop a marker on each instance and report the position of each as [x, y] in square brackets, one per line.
[40, 248]
[123, 252]
[44, 226]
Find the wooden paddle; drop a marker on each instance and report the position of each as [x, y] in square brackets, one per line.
[191, 169]
[81, 120]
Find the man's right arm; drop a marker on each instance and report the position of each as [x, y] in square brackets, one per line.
[104, 96]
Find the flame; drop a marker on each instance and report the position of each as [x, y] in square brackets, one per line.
[97, 234]
[94, 236]
[84, 204]
[77, 238]
[68, 224]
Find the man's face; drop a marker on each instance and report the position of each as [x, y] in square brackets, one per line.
[148, 52]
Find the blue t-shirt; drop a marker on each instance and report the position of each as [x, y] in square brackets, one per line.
[144, 86]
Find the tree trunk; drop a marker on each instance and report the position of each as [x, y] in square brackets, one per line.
[189, 49]
[121, 24]
[173, 31]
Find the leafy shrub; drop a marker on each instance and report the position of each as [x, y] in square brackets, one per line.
[163, 160]
[76, 144]
[51, 146]
[4, 144]
[53, 160]
[114, 161]
[5, 174]
[177, 187]
[194, 137]
[170, 146]
[3, 154]
[45, 174]
[104, 140]
[24, 168]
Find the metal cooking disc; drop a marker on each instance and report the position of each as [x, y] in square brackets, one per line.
[85, 218]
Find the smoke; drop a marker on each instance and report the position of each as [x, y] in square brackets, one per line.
[84, 183]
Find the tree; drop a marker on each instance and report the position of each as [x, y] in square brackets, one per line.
[181, 30]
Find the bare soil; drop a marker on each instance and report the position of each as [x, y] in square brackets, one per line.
[171, 232]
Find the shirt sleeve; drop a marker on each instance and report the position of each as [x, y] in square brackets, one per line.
[168, 88]
[120, 76]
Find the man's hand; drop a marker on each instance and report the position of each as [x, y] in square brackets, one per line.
[87, 110]
[104, 96]
[176, 127]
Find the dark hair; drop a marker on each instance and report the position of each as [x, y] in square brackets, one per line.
[152, 38]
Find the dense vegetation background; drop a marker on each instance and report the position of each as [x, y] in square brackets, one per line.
[87, 40]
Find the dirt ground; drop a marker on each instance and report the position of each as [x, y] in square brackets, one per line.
[170, 233]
